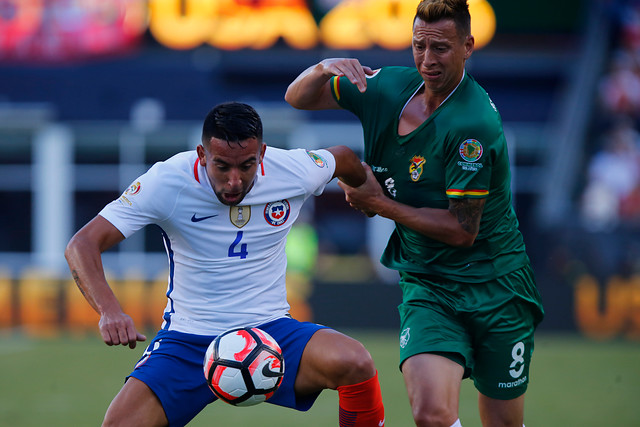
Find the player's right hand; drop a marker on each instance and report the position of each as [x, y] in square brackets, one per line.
[350, 68]
[118, 329]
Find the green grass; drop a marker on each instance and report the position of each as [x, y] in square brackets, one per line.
[70, 382]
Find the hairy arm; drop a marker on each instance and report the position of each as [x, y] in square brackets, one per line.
[456, 226]
[83, 254]
[311, 91]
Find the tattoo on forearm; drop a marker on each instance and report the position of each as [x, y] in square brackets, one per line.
[468, 212]
[76, 279]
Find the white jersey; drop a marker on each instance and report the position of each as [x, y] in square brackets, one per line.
[227, 264]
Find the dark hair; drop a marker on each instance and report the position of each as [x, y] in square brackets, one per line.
[232, 122]
[436, 10]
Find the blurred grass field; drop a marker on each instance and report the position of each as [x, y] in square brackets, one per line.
[70, 381]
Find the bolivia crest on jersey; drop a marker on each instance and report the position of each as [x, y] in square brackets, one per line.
[277, 213]
[470, 150]
[239, 215]
[416, 167]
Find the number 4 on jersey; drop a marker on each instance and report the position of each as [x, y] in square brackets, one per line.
[242, 253]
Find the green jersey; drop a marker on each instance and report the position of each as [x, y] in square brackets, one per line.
[459, 151]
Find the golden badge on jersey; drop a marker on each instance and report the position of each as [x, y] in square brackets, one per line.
[239, 215]
[416, 167]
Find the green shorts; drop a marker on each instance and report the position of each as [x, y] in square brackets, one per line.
[485, 327]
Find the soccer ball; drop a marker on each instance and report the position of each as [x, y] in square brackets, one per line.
[244, 366]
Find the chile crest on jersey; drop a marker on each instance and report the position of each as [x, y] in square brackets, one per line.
[277, 213]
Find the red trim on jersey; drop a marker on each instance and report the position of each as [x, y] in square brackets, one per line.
[262, 167]
[195, 170]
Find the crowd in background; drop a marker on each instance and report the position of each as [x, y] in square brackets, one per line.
[611, 195]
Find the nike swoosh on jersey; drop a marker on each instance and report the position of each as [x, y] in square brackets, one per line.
[202, 218]
[267, 372]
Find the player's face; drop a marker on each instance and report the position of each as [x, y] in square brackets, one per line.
[231, 167]
[440, 54]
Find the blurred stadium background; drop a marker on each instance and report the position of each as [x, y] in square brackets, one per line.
[92, 93]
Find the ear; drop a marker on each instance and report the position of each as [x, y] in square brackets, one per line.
[201, 155]
[263, 149]
[469, 43]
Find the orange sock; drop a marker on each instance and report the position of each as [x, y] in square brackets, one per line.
[361, 404]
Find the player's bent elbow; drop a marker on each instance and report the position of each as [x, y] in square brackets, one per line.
[289, 99]
[298, 102]
[70, 249]
[77, 245]
[462, 240]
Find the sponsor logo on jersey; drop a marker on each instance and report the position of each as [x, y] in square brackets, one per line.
[239, 215]
[415, 168]
[277, 213]
[133, 189]
[404, 337]
[123, 200]
[390, 185]
[195, 218]
[472, 167]
[317, 159]
[470, 150]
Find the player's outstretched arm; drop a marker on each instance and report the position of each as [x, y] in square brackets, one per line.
[83, 254]
[349, 169]
[456, 226]
[311, 91]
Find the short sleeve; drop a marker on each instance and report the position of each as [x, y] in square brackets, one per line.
[319, 167]
[148, 200]
[468, 168]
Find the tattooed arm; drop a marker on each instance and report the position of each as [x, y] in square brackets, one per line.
[83, 254]
[456, 226]
[468, 212]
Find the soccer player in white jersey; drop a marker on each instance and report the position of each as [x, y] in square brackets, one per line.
[225, 210]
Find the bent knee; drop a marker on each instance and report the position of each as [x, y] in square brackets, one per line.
[353, 365]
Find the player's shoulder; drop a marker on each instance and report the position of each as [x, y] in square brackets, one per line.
[171, 174]
[477, 94]
[179, 164]
[297, 156]
[395, 72]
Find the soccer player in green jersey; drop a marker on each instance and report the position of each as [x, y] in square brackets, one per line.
[437, 165]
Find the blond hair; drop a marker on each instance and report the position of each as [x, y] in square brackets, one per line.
[437, 10]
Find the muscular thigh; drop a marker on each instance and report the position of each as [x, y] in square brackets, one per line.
[503, 331]
[136, 406]
[430, 322]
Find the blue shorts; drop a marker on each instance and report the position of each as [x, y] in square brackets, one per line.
[172, 367]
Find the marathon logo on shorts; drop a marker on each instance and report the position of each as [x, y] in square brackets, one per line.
[277, 213]
[513, 383]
